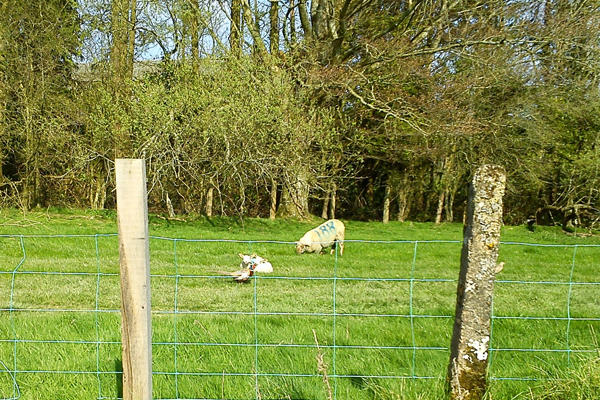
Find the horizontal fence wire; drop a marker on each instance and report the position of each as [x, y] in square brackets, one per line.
[174, 265]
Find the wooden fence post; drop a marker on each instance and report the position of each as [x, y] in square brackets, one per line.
[132, 216]
[471, 336]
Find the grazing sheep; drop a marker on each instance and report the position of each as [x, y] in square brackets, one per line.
[328, 234]
[248, 266]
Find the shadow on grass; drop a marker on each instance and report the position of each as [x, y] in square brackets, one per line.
[119, 377]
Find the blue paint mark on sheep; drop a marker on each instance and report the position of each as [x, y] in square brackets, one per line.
[325, 230]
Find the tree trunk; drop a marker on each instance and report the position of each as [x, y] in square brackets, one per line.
[450, 178]
[121, 60]
[292, 22]
[386, 203]
[273, 207]
[189, 202]
[94, 172]
[29, 188]
[169, 205]
[402, 206]
[195, 34]
[242, 198]
[339, 33]
[123, 42]
[318, 18]
[274, 34]
[259, 45]
[286, 208]
[118, 49]
[131, 27]
[235, 29]
[294, 198]
[97, 194]
[304, 19]
[325, 211]
[209, 201]
[332, 201]
[450, 205]
[440, 207]
[403, 200]
[419, 202]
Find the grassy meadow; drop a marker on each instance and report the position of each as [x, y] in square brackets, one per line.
[375, 323]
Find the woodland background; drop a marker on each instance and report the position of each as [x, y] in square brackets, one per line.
[358, 109]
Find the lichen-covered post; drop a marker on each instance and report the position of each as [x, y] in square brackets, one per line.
[471, 336]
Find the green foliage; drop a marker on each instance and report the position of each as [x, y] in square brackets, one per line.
[405, 96]
[38, 46]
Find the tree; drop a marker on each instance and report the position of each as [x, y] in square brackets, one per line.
[123, 28]
[366, 109]
[38, 46]
[3, 88]
[415, 75]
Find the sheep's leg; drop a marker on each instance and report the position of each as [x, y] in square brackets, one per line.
[318, 249]
[340, 240]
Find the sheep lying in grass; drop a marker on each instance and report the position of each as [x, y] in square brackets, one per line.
[256, 263]
[249, 265]
[328, 234]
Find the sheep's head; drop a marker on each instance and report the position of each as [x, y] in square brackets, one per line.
[255, 262]
[301, 247]
[245, 259]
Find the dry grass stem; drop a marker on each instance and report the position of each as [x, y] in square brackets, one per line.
[322, 368]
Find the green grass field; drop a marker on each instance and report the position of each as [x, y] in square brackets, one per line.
[379, 317]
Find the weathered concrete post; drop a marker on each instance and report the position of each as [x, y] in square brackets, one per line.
[471, 337]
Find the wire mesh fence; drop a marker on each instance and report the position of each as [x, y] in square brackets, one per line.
[377, 320]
